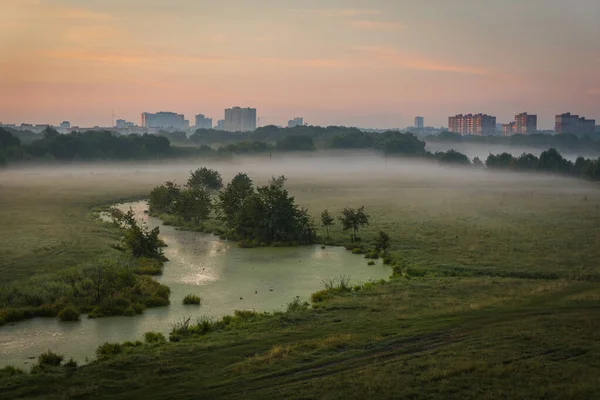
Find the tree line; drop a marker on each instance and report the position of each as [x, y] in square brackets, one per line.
[91, 145]
[564, 141]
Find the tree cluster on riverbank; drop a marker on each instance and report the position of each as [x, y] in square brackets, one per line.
[261, 215]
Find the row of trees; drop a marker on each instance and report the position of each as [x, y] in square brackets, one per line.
[548, 161]
[92, 145]
[560, 141]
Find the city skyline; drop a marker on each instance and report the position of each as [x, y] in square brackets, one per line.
[359, 63]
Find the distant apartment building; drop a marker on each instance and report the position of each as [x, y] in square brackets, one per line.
[508, 129]
[298, 121]
[239, 119]
[65, 125]
[202, 122]
[525, 124]
[164, 120]
[568, 123]
[472, 124]
[122, 124]
[220, 125]
[419, 122]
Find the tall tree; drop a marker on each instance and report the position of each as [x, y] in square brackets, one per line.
[327, 220]
[205, 178]
[193, 204]
[382, 243]
[354, 219]
[233, 196]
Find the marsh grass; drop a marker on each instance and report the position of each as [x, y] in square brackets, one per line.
[192, 299]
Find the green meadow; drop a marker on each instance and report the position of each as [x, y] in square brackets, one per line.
[495, 292]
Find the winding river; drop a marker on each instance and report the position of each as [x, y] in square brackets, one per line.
[226, 277]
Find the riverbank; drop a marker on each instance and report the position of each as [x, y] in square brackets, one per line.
[424, 336]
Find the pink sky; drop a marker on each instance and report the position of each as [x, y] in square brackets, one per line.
[375, 63]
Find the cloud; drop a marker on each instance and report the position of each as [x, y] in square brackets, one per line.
[348, 12]
[376, 25]
[594, 91]
[393, 57]
[78, 14]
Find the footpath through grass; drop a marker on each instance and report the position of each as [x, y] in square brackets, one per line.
[495, 334]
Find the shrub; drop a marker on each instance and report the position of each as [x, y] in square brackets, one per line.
[108, 349]
[149, 266]
[69, 313]
[154, 337]
[321, 295]
[192, 299]
[10, 370]
[50, 359]
[296, 305]
[70, 364]
[244, 314]
[358, 250]
[372, 254]
[371, 262]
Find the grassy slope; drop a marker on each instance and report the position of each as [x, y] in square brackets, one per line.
[483, 337]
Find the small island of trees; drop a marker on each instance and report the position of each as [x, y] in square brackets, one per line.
[252, 215]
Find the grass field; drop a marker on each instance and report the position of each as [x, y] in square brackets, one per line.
[489, 335]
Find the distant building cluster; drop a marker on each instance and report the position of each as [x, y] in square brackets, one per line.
[524, 124]
[298, 121]
[472, 124]
[568, 123]
[122, 124]
[203, 122]
[239, 119]
[164, 119]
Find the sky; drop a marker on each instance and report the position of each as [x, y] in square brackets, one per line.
[375, 63]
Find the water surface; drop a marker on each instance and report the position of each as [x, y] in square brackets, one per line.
[226, 277]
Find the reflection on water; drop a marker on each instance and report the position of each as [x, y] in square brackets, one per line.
[226, 277]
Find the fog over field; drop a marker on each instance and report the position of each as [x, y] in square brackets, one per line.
[361, 169]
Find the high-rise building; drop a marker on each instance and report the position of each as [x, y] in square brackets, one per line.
[164, 119]
[239, 119]
[202, 122]
[419, 122]
[298, 121]
[525, 124]
[65, 125]
[472, 124]
[568, 123]
[508, 129]
[220, 125]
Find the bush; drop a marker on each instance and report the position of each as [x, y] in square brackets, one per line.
[320, 296]
[358, 250]
[50, 359]
[371, 262]
[10, 370]
[70, 364]
[108, 349]
[149, 266]
[192, 299]
[296, 305]
[154, 337]
[372, 254]
[69, 313]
